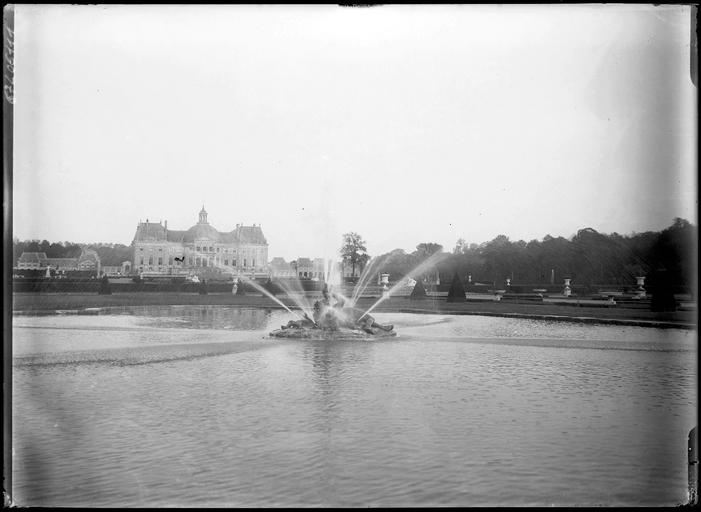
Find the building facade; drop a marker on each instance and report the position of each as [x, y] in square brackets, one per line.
[200, 249]
[88, 260]
[279, 268]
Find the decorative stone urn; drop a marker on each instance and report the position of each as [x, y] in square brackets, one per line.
[640, 290]
[567, 291]
[384, 280]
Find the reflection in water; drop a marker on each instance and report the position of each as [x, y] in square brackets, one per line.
[192, 406]
[204, 317]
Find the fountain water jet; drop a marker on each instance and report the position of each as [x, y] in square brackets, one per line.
[420, 268]
[365, 277]
[252, 283]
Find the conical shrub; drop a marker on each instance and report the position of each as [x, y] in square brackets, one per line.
[105, 288]
[418, 292]
[457, 291]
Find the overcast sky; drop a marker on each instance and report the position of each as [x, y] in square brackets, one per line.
[406, 124]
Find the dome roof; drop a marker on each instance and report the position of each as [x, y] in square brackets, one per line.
[199, 231]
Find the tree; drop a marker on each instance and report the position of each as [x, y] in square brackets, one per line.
[425, 250]
[354, 251]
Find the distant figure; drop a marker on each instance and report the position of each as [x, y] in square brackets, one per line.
[203, 287]
[235, 288]
[105, 286]
[240, 290]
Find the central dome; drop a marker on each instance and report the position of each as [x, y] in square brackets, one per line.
[200, 231]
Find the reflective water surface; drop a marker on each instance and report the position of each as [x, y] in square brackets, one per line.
[195, 406]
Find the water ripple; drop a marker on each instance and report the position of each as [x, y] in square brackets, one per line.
[148, 414]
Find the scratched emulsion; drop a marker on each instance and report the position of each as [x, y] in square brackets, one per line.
[188, 406]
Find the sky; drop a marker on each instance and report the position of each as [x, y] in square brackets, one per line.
[405, 124]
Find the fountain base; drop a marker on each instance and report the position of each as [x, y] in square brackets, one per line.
[343, 333]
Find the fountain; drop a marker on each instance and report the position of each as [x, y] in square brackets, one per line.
[334, 321]
[324, 319]
[343, 320]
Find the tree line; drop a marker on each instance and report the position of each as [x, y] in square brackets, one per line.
[588, 258]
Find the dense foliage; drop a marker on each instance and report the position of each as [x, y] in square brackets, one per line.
[588, 258]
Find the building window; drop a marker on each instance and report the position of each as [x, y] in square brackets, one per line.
[233, 264]
[160, 262]
[150, 260]
[244, 262]
[142, 260]
[204, 262]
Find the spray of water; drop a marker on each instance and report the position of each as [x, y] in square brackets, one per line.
[365, 277]
[267, 294]
[292, 287]
[416, 271]
[251, 282]
[332, 276]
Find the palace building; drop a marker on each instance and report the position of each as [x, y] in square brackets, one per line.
[200, 249]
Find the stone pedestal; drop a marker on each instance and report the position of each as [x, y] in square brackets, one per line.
[640, 290]
[384, 280]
